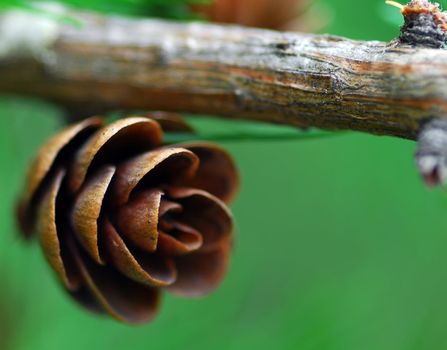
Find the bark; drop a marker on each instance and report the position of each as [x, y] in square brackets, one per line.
[288, 78]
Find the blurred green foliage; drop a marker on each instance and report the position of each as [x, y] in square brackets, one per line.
[339, 245]
[177, 9]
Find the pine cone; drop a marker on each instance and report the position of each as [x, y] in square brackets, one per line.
[273, 14]
[119, 216]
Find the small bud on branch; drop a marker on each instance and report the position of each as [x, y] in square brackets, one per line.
[431, 154]
[425, 24]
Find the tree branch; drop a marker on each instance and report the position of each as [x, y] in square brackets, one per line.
[233, 72]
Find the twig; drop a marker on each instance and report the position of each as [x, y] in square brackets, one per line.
[233, 72]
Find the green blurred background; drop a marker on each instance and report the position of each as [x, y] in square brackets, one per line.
[339, 245]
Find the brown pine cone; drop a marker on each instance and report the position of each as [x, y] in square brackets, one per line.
[119, 216]
[273, 14]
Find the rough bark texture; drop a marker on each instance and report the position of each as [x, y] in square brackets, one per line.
[233, 72]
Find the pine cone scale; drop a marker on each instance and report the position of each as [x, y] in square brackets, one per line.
[48, 233]
[172, 163]
[184, 240]
[120, 297]
[167, 206]
[138, 219]
[215, 174]
[215, 223]
[116, 141]
[201, 272]
[134, 268]
[44, 165]
[87, 209]
[170, 122]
